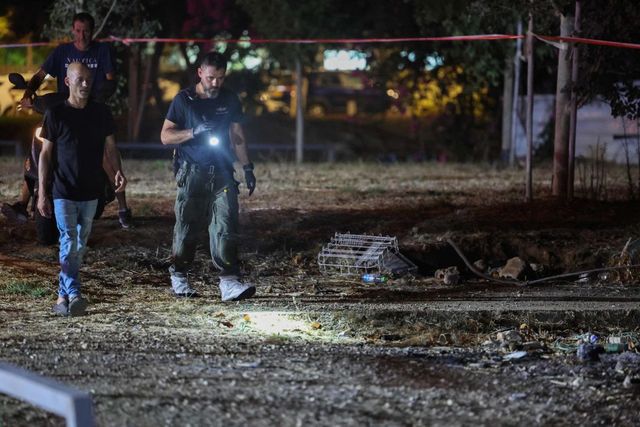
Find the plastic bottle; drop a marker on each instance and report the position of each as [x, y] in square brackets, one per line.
[374, 278]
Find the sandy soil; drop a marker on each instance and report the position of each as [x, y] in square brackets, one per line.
[320, 349]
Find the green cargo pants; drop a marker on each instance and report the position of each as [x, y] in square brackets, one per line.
[206, 199]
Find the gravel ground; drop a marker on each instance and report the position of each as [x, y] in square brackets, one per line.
[312, 349]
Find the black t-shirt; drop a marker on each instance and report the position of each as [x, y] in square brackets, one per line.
[187, 110]
[78, 135]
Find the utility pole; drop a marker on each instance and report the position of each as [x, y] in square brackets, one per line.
[299, 114]
[561, 134]
[507, 110]
[573, 119]
[516, 94]
[529, 167]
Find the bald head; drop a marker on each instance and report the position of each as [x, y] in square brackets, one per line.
[79, 80]
[77, 67]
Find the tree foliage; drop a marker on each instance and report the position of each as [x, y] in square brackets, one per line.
[114, 18]
[605, 71]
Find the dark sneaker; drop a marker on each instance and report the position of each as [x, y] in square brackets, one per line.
[232, 289]
[125, 218]
[61, 309]
[16, 212]
[77, 306]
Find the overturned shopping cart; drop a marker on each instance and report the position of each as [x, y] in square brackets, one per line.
[354, 254]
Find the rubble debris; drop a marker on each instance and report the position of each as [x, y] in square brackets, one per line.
[516, 355]
[513, 269]
[508, 337]
[448, 276]
[537, 268]
[374, 278]
[480, 265]
[532, 345]
[588, 352]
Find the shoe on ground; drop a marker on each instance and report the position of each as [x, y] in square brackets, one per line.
[61, 309]
[181, 288]
[77, 306]
[16, 212]
[232, 289]
[125, 218]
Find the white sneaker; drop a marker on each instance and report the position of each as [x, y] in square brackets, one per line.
[181, 288]
[232, 289]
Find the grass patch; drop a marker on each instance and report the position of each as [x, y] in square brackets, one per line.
[32, 289]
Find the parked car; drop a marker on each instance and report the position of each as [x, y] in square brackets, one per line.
[344, 92]
[329, 93]
[276, 98]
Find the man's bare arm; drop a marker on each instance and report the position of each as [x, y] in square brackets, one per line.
[238, 143]
[44, 172]
[32, 87]
[171, 134]
[113, 163]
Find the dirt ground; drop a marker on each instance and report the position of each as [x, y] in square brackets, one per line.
[318, 349]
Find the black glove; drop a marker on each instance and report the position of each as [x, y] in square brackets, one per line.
[203, 127]
[249, 177]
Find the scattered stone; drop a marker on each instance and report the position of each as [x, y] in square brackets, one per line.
[449, 275]
[513, 269]
[532, 345]
[537, 268]
[517, 396]
[577, 382]
[583, 278]
[480, 265]
[508, 337]
[516, 355]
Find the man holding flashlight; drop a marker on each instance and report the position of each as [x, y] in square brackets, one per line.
[204, 123]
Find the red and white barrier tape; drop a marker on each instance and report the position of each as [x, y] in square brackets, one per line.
[478, 37]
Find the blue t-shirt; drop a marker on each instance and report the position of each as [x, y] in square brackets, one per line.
[187, 110]
[78, 137]
[97, 58]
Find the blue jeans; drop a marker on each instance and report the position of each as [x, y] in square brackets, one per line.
[74, 221]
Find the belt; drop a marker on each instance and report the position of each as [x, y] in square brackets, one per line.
[209, 170]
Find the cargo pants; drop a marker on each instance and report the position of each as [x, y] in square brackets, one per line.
[206, 199]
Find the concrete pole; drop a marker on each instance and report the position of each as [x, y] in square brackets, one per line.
[299, 115]
[516, 93]
[573, 119]
[507, 110]
[529, 186]
[561, 135]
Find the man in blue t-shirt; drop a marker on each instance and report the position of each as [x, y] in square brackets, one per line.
[99, 60]
[78, 136]
[95, 55]
[204, 123]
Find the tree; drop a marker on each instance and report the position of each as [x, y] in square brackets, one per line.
[605, 71]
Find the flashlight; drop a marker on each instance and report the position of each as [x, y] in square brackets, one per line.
[213, 140]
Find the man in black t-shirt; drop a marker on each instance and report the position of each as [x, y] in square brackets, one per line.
[77, 135]
[99, 59]
[204, 123]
